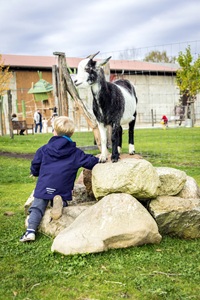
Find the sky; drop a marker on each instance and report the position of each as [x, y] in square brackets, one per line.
[113, 27]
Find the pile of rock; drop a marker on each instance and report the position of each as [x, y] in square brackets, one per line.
[124, 204]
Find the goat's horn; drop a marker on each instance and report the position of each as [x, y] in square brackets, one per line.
[92, 55]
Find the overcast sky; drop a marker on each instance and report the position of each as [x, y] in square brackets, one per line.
[83, 27]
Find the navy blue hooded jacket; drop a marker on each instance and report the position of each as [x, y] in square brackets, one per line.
[56, 165]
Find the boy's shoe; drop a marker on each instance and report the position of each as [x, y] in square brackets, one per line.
[28, 236]
[56, 211]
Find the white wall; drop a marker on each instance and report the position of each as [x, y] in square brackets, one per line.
[157, 93]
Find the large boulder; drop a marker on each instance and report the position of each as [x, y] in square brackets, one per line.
[136, 177]
[116, 221]
[177, 216]
[190, 189]
[172, 180]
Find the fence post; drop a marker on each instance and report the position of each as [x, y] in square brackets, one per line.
[152, 118]
[9, 113]
[1, 110]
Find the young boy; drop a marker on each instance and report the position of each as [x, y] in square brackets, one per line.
[56, 165]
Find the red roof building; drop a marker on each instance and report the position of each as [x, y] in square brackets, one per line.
[155, 84]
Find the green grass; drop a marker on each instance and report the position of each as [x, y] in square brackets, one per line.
[170, 270]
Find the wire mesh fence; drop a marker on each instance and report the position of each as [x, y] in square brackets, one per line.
[157, 92]
[174, 147]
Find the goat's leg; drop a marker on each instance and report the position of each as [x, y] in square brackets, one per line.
[115, 143]
[103, 135]
[109, 136]
[131, 136]
[120, 140]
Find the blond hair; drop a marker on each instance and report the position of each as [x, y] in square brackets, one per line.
[64, 126]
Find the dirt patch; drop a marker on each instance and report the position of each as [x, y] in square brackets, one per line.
[126, 155]
[30, 155]
[17, 155]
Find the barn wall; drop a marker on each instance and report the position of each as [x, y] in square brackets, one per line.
[24, 80]
[160, 94]
[21, 82]
[156, 93]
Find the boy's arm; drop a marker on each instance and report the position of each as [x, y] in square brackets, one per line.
[88, 161]
[36, 163]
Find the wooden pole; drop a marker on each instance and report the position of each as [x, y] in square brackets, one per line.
[74, 94]
[152, 118]
[63, 110]
[1, 110]
[55, 86]
[9, 113]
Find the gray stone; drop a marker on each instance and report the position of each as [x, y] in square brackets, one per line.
[190, 189]
[116, 221]
[177, 216]
[81, 195]
[172, 180]
[136, 177]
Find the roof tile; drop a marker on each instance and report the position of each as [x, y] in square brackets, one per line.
[72, 62]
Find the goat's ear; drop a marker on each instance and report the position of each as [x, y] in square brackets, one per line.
[103, 62]
[92, 55]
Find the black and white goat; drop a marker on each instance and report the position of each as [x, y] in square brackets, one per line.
[114, 104]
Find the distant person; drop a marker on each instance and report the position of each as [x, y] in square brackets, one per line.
[55, 115]
[38, 121]
[56, 165]
[45, 125]
[164, 121]
[14, 118]
[180, 113]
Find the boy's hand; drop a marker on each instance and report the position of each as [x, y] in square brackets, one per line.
[31, 175]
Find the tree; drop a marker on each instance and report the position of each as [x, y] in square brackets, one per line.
[188, 80]
[159, 57]
[5, 77]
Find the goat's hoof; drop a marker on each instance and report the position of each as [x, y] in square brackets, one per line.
[132, 153]
[102, 160]
[114, 160]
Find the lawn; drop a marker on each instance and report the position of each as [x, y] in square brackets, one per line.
[170, 270]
